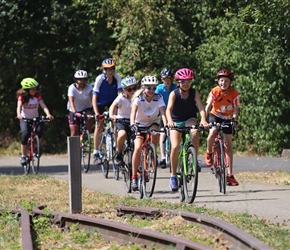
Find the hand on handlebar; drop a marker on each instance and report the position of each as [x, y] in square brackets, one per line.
[134, 128]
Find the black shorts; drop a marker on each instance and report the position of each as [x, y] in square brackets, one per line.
[123, 126]
[73, 121]
[213, 118]
[105, 107]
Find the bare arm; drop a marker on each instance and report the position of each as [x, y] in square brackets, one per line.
[169, 109]
[71, 104]
[201, 109]
[46, 110]
[95, 104]
[162, 112]
[18, 110]
[133, 114]
[112, 111]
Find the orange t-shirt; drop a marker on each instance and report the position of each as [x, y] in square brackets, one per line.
[223, 103]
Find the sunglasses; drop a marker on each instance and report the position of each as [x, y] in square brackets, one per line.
[130, 89]
[110, 69]
[184, 81]
[150, 88]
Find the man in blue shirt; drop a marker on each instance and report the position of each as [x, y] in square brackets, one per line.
[164, 89]
[105, 90]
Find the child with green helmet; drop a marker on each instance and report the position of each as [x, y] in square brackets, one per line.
[28, 102]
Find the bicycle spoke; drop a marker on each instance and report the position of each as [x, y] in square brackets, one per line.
[127, 170]
[190, 179]
[35, 155]
[180, 180]
[150, 171]
[86, 151]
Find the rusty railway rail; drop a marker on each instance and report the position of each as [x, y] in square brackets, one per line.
[123, 233]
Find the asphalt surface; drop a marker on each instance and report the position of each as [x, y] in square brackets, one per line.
[266, 201]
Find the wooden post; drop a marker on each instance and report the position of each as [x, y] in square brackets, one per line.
[75, 174]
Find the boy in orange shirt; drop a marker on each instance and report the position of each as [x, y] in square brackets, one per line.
[222, 104]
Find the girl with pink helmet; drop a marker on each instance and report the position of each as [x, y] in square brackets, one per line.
[183, 105]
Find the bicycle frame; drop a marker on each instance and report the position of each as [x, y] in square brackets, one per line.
[85, 140]
[108, 140]
[188, 167]
[33, 157]
[220, 159]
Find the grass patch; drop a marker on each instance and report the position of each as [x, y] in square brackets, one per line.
[28, 191]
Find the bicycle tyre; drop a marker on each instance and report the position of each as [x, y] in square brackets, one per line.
[223, 176]
[113, 152]
[219, 169]
[35, 155]
[180, 178]
[190, 176]
[86, 150]
[127, 170]
[103, 153]
[167, 153]
[149, 171]
[26, 166]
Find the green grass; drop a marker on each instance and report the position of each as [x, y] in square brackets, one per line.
[28, 191]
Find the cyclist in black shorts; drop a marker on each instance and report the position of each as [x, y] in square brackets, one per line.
[105, 91]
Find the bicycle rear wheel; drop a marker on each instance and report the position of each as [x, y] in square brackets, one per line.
[86, 151]
[35, 154]
[127, 170]
[149, 170]
[190, 177]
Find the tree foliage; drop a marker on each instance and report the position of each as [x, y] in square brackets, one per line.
[49, 40]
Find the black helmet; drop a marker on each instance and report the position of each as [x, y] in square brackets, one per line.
[166, 73]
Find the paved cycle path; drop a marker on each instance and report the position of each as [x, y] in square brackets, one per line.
[267, 201]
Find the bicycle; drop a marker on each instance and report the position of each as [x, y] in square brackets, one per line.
[187, 168]
[220, 163]
[167, 152]
[107, 148]
[126, 166]
[147, 169]
[33, 145]
[85, 140]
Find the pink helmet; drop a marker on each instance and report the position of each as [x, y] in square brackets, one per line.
[184, 73]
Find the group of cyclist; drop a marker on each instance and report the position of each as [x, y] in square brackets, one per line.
[154, 105]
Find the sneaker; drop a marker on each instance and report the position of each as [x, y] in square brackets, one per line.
[173, 184]
[97, 158]
[162, 163]
[23, 160]
[208, 159]
[118, 159]
[134, 184]
[231, 181]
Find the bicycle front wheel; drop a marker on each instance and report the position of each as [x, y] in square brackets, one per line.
[86, 151]
[104, 156]
[190, 177]
[149, 170]
[180, 178]
[113, 152]
[127, 170]
[223, 181]
[35, 154]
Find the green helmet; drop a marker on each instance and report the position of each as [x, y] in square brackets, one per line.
[28, 83]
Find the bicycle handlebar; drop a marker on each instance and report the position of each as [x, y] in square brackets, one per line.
[187, 128]
[36, 119]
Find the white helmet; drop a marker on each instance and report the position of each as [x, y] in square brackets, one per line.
[81, 74]
[149, 80]
[128, 81]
